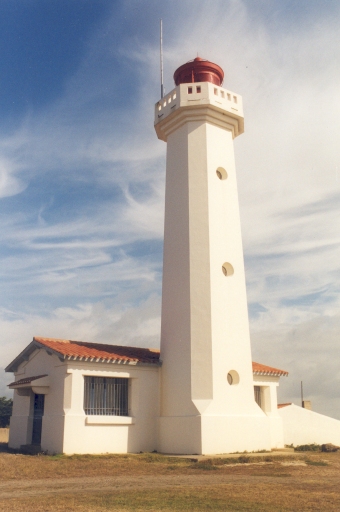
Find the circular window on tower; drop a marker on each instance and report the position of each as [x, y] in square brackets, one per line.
[233, 378]
[221, 173]
[227, 269]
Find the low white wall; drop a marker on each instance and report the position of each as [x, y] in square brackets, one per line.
[276, 432]
[4, 433]
[301, 426]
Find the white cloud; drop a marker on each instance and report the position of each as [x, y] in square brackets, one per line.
[309, 350]
[10, 184]
[120, 324]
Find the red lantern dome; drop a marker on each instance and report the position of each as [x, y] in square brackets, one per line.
[199, 70]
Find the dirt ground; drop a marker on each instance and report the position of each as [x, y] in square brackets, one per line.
[266, 482]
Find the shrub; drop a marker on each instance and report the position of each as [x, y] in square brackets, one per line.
[308, 448]
[6, 405]
[243, 459]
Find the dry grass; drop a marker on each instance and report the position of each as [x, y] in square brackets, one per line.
[153, 482]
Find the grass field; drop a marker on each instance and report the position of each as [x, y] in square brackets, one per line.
[152, 482]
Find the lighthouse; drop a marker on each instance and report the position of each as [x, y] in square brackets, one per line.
[207, 395]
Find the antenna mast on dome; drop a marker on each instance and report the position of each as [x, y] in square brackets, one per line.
[161, 56]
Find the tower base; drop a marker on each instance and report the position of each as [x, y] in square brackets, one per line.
[211, 435]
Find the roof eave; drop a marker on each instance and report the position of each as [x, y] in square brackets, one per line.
[120, 362]
[271, 374]
[24, 355]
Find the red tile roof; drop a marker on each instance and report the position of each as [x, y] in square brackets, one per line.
[26, 380]
[261, 369]
[279, 406]
[99, 352]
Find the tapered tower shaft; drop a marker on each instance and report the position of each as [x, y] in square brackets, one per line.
[207, 395]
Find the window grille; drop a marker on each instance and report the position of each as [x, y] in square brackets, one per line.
[106, 396]
[257, 395]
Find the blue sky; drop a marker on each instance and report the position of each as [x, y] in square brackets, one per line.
[82, 172]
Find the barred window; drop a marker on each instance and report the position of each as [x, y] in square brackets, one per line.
[107, 396]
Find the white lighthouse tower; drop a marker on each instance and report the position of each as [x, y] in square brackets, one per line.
[207, 395]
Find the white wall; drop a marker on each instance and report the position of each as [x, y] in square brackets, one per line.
[22, 417]
[65, 426]
[20, 428]
[301, 426]
[112, 434]
[269, 385]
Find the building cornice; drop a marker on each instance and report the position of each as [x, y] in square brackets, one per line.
[212, 104]
[198, 113]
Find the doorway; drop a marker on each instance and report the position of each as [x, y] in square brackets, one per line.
[38, 413]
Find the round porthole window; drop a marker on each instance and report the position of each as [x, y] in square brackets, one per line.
[221, 173]
[227, 269]
[233, 378]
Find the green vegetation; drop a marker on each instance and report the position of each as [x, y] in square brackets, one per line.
[6, 405]
[316, 463]
[308, 448]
